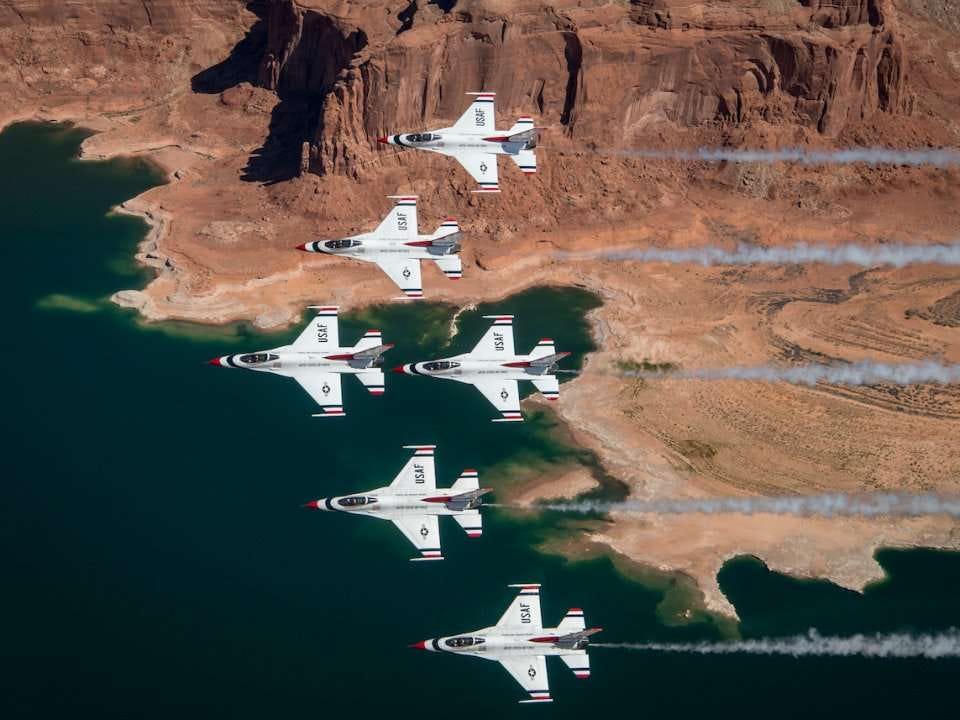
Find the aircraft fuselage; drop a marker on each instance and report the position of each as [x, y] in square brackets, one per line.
[460, 368]
[450, 141]
[285, 362]
[382, 501]
[502, 642]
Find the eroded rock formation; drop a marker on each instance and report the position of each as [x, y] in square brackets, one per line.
[602, 73]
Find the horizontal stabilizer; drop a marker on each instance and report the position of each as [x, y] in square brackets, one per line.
[526, 160]
[372, 380]
[579, 663]
[370, 339]
[451, 266]
[572, 622]
[468, 480]
[471, 522]
[448, 231]
[548, 386]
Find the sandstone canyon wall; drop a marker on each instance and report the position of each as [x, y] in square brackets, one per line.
[605, 74]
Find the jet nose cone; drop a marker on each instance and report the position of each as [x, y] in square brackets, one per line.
[384, 139]
[399, 369]
[302, 246]
[215, 361]
[312, 505]
[422, 645]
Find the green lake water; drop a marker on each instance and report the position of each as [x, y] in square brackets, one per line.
[158, 563]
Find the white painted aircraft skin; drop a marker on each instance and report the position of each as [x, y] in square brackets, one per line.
[317, 361]
[397, 247]
[475, 142]
[521, 644]
[414, 503]
[494, 368]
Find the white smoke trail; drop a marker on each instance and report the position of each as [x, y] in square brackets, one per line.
[829, 506]
[895, 254]
[899, 645]
[937, 157]
[865, 372]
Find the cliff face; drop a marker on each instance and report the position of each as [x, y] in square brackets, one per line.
[601, 73]
[110, 53]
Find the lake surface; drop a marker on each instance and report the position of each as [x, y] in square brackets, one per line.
[159, 564]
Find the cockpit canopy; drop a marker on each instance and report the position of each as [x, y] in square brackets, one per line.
[440, 365]
[422, 137]
[461, 642]
[258, 357]
[341, 244]
[355, 501]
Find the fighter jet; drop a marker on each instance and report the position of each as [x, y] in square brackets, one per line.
[414, 504]
[521, 644]
[475, 142]
[316, 361]
[494, 368]
[397, 248]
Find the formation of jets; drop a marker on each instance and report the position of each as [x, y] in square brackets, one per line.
[316, 361]
[521, 643]
[412, 501]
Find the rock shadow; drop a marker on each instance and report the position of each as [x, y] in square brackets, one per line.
[243, 62]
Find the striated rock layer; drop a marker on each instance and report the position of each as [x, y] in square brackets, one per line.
[264, 114]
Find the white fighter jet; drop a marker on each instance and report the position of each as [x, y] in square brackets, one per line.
[316, 361]
[521, 644]
[397, 248]
[495, 369]
[475, 142]
[414, 504]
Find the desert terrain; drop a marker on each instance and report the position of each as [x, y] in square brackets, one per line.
[264, 115]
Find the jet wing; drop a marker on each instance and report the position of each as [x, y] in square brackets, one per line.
[504, 395]
[419, 472]
[423, 531]
[479, 117]
[405, 272]
[497, 342]
[524, 611]
[531, 672]
[401, 221]
[321, 334]
[325, 389]
[481, 166]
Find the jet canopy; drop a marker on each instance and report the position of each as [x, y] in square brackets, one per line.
[254, 358]
[341, 244]
[423, 137]
[355, 501]
[436, 365]
[462, 642]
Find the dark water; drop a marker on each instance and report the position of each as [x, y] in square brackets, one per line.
[158, 563]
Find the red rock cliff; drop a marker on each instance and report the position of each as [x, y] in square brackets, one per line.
[602, 73]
